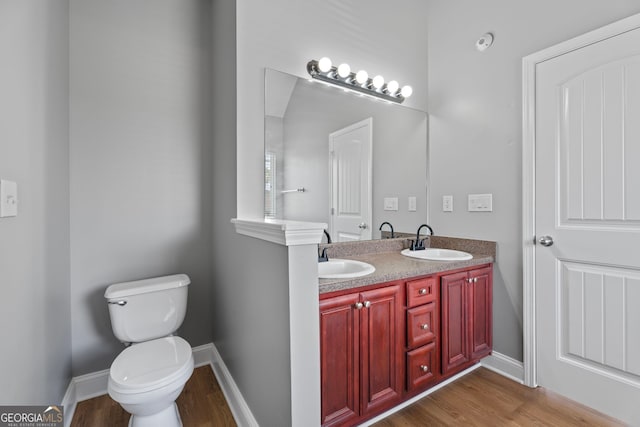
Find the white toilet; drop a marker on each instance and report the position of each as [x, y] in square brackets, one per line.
[148, 376]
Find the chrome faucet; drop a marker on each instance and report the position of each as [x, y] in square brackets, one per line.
[418, 244]
[390, 226]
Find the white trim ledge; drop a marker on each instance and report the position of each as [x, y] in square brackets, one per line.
[282, 232]
[505, 366]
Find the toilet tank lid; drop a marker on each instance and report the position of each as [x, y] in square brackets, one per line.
[154, 284]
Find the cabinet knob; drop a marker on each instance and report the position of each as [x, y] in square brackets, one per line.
[367, 304]
[359, 305]
[424, 326]
[422, 291]
[424, 368]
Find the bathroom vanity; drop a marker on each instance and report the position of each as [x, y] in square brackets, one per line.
[391, 335]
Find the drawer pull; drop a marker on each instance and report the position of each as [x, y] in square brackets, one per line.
[424, 368]
[424, 326]
[422, 291]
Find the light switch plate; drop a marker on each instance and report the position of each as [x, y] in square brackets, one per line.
[480, 202]
[8, 199]
[447, 203]
[412, 202]
[390, 203]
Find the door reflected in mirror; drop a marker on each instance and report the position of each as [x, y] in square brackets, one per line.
[318, 167]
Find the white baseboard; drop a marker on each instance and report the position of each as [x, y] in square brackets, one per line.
[239, 408]
[92, 385]
[504, 365]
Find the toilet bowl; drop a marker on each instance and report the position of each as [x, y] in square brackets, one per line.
[148, 376]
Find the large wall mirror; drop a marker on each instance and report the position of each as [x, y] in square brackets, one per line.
[342, 158]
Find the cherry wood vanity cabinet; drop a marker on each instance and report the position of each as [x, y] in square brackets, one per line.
[423, 329]
[361, 347]
[466, 305]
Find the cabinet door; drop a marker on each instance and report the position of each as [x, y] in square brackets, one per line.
[339, 359]
[480, 312]
[455, 341]
[381, 348]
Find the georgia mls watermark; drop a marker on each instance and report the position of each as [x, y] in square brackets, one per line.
[31, 416]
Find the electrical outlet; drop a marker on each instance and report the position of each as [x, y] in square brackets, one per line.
[447, 203]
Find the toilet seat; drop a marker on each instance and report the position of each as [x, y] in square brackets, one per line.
[151, 365]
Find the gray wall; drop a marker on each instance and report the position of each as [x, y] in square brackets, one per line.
[249, 304]
[475, 123]
[285, 34]
[276, 35]
[35, 361]
[141, 201]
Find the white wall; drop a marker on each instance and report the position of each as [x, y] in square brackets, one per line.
[141, 202]
[475, 123]
[35, 361]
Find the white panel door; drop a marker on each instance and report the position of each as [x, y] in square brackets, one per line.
[350, 157]
[588, 201]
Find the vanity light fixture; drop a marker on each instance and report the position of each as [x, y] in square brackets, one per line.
[360, 82]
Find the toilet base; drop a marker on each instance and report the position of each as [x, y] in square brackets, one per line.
[168, 417]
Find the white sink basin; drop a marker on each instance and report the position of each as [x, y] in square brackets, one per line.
[343, 269]
[433, 254]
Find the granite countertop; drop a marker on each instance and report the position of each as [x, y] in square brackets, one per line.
[391, 265]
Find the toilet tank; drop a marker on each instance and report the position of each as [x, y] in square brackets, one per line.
[143, 310]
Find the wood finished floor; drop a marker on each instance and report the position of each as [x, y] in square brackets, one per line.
[481, 398]
[486, 399]
[201, 404]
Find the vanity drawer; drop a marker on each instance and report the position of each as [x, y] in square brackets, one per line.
[422, 366]
[422, 324]
[421, 291]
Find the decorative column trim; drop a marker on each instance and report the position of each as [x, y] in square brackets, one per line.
[282, 232]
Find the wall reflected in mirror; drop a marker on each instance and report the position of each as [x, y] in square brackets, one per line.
[318, 169]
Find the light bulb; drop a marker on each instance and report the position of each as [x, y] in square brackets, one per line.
[378, 81]
[362, 76]
[344, 70]
[406, 91]
[324, 64]
[392, 87]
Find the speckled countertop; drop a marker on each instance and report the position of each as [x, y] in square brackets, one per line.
[390, 265]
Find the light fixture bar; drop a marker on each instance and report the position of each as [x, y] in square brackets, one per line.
[338, 77]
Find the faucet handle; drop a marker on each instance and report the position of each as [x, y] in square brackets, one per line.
[322, 256]
[417, 245]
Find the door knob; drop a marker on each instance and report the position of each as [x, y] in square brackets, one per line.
[362, 226]
[546, 240]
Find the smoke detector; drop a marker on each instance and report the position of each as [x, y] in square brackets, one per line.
[484, 42]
